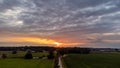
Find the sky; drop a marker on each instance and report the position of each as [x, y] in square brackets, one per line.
[76, 23]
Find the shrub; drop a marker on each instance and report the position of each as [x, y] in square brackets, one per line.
[14, 52]
[4, 56]
[28, 55]
[51, 55]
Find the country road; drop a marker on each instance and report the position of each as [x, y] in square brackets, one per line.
[60, 63]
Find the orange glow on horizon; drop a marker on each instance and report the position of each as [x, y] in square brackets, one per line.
[39, 41]
[70, 44]
[30, 40]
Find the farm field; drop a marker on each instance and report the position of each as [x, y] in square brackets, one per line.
[17, 61]
[22, 63]
[103, 60]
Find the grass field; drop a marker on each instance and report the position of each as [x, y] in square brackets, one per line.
[20, 62]
[107, 60]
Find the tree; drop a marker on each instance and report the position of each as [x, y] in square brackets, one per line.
[4, 56]
[51, 55]
[14, 52]
[28, 55]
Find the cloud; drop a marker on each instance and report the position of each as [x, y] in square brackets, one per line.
[62, 20]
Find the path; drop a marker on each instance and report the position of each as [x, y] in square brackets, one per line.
[60, 63]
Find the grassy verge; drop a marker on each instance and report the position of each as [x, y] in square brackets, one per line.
[63, 63]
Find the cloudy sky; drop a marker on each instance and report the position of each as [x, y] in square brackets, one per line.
[85, 23]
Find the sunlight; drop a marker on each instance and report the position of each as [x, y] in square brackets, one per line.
[31, 40]
[57, 44]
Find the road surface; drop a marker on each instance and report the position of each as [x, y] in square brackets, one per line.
[60, 63]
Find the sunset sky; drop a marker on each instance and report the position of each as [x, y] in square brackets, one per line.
[84, 23]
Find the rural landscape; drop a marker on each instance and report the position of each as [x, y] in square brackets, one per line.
[24, 59]
[50, 57]
[59, 33]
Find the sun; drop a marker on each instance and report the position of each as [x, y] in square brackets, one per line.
[57, 44]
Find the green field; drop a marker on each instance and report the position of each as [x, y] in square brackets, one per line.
[107, 60]
[22, 63]
[17, 61]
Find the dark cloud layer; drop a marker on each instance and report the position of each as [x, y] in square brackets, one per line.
[65, 20]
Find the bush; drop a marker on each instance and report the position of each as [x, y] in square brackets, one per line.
[28, 55]
[14, 52]
[51, 55]
[4, 56]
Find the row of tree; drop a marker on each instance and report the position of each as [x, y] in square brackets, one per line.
[29, 55]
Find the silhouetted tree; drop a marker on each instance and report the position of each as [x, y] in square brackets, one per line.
[51, 55]
[28, 55]
[14, 52]
[4, 56]
[117, 50]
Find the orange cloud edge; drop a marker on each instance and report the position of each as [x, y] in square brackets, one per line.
[39, 41]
